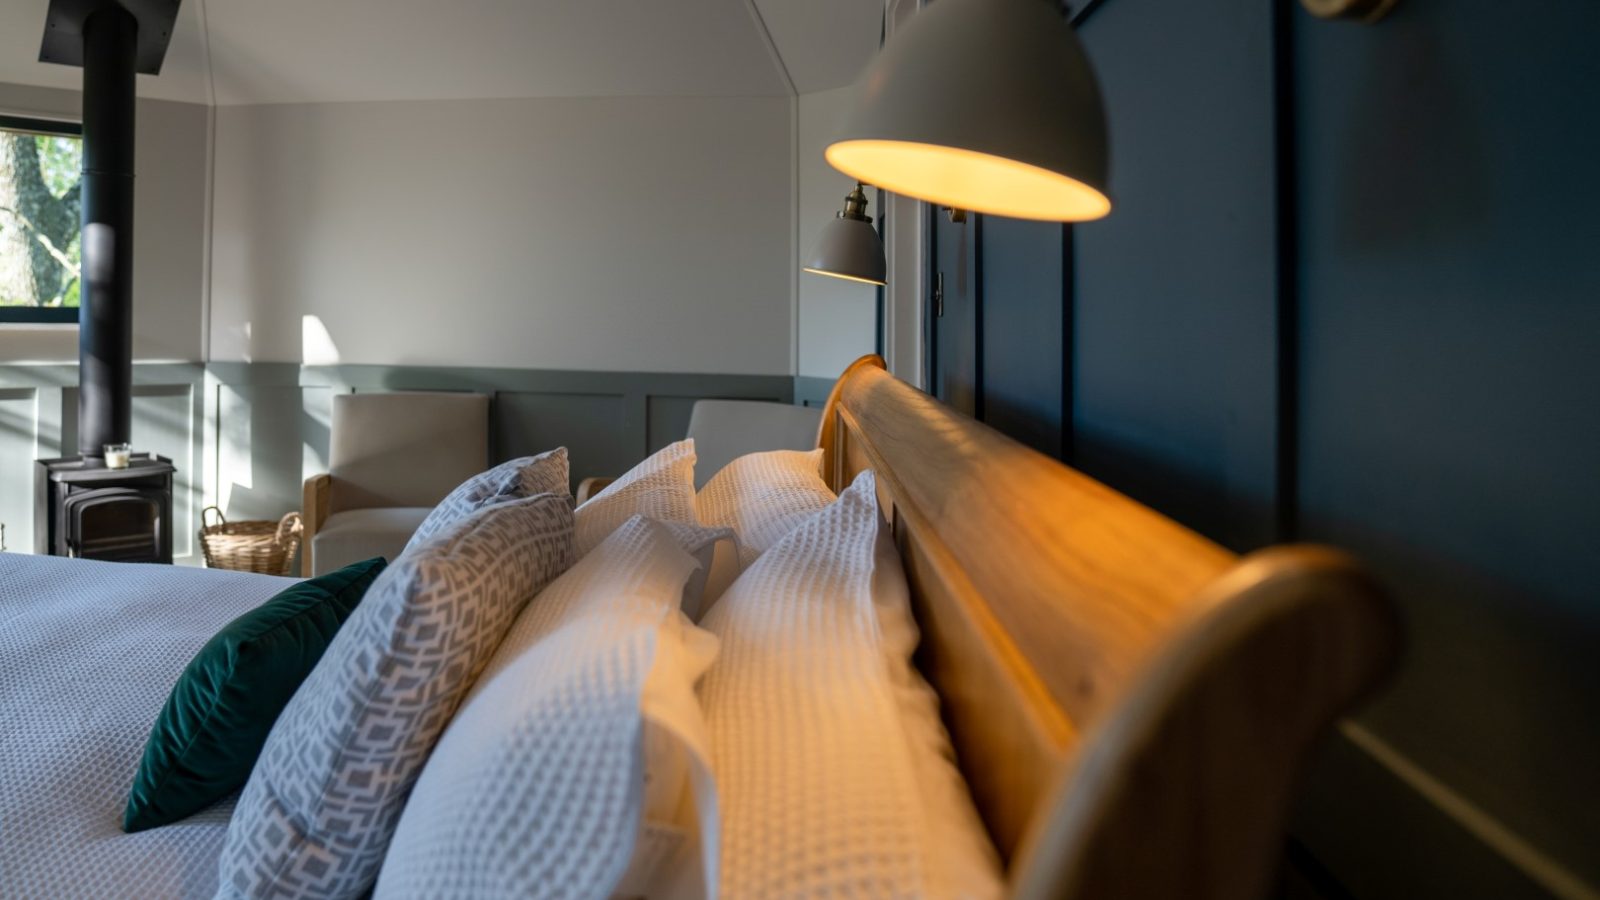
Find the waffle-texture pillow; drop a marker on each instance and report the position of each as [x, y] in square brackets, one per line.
[660, 488]
[316, 816]
[515, 479]
[817, 776]
[707, 546]
[761, 497]
[578, 765]
[961, 859]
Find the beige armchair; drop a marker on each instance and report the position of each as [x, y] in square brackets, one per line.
[724, 430]
[391, 458]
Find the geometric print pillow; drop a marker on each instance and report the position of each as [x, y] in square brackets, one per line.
[317, 814]
[526, 477]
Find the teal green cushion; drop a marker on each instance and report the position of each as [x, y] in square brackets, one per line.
[207, 738]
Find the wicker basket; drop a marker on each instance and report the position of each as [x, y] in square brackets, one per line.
[250, 546]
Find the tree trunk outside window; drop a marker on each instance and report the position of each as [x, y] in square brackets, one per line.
[37, 228]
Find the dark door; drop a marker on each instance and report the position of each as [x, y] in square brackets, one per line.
[954, 286]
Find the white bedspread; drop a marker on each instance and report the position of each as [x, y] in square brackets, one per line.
[88, 654]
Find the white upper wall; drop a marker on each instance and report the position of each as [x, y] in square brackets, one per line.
[641, 234]
[591, 184]
[838, 319]
[169, 218]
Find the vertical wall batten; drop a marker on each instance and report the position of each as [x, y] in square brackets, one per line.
[1287, 235]
[974, 228]
[1069, 444]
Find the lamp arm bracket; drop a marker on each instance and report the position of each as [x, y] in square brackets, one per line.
[1367, 11]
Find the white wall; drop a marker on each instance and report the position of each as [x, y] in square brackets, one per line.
[640, 234]
[169, 231]
[838, 319]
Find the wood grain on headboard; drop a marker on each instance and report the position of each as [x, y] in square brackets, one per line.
[1129, 701]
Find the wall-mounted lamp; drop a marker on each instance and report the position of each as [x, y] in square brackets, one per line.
[1364, 10]
[849, 247]
[982, 105]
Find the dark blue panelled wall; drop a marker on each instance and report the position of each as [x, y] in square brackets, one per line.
[1350, 293]
[1174, 357]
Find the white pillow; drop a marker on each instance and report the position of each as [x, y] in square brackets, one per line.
[707, 546]
[822, 783]
[317, 814]
[660, 488]
[578, 765]
[763, 496]
[962, 861]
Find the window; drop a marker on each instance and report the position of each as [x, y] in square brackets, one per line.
[40, 179]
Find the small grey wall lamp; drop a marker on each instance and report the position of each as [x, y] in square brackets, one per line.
[983, 105]
[849, 247]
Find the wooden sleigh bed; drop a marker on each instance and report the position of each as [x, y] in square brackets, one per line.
[1130, 703]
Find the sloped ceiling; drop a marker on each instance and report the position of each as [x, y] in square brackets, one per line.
[320, 51]
[823, 43]
[183, 75]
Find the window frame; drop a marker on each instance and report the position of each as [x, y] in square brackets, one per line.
[39, 315]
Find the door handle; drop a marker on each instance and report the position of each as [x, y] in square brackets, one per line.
[938, 295]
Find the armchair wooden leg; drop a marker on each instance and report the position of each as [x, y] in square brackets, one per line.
[588, 487]
[312, 515]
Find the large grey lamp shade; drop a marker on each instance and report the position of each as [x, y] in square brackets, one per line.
[984, 105]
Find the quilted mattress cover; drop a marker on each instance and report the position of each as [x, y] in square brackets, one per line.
[88, 653]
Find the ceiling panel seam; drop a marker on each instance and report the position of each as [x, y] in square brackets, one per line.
[772, 45]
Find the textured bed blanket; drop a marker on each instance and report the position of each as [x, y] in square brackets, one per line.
[88, 654]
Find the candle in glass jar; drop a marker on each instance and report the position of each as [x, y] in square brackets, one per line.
[117, 455]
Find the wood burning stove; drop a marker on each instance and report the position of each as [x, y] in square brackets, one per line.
[83, 509]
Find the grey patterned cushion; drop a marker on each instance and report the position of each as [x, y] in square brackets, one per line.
[525, 477]
[316, 816]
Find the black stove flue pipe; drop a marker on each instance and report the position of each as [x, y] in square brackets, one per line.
[111, 40]
[105, 312]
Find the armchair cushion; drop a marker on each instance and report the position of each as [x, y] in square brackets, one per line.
[405, 448]
[358, 534]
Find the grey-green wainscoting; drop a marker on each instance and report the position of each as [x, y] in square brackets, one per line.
[245, 435]
[39, 418]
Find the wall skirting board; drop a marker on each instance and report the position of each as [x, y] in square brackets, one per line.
[245, 435]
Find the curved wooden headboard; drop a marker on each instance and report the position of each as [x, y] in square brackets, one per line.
[1130, 702]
